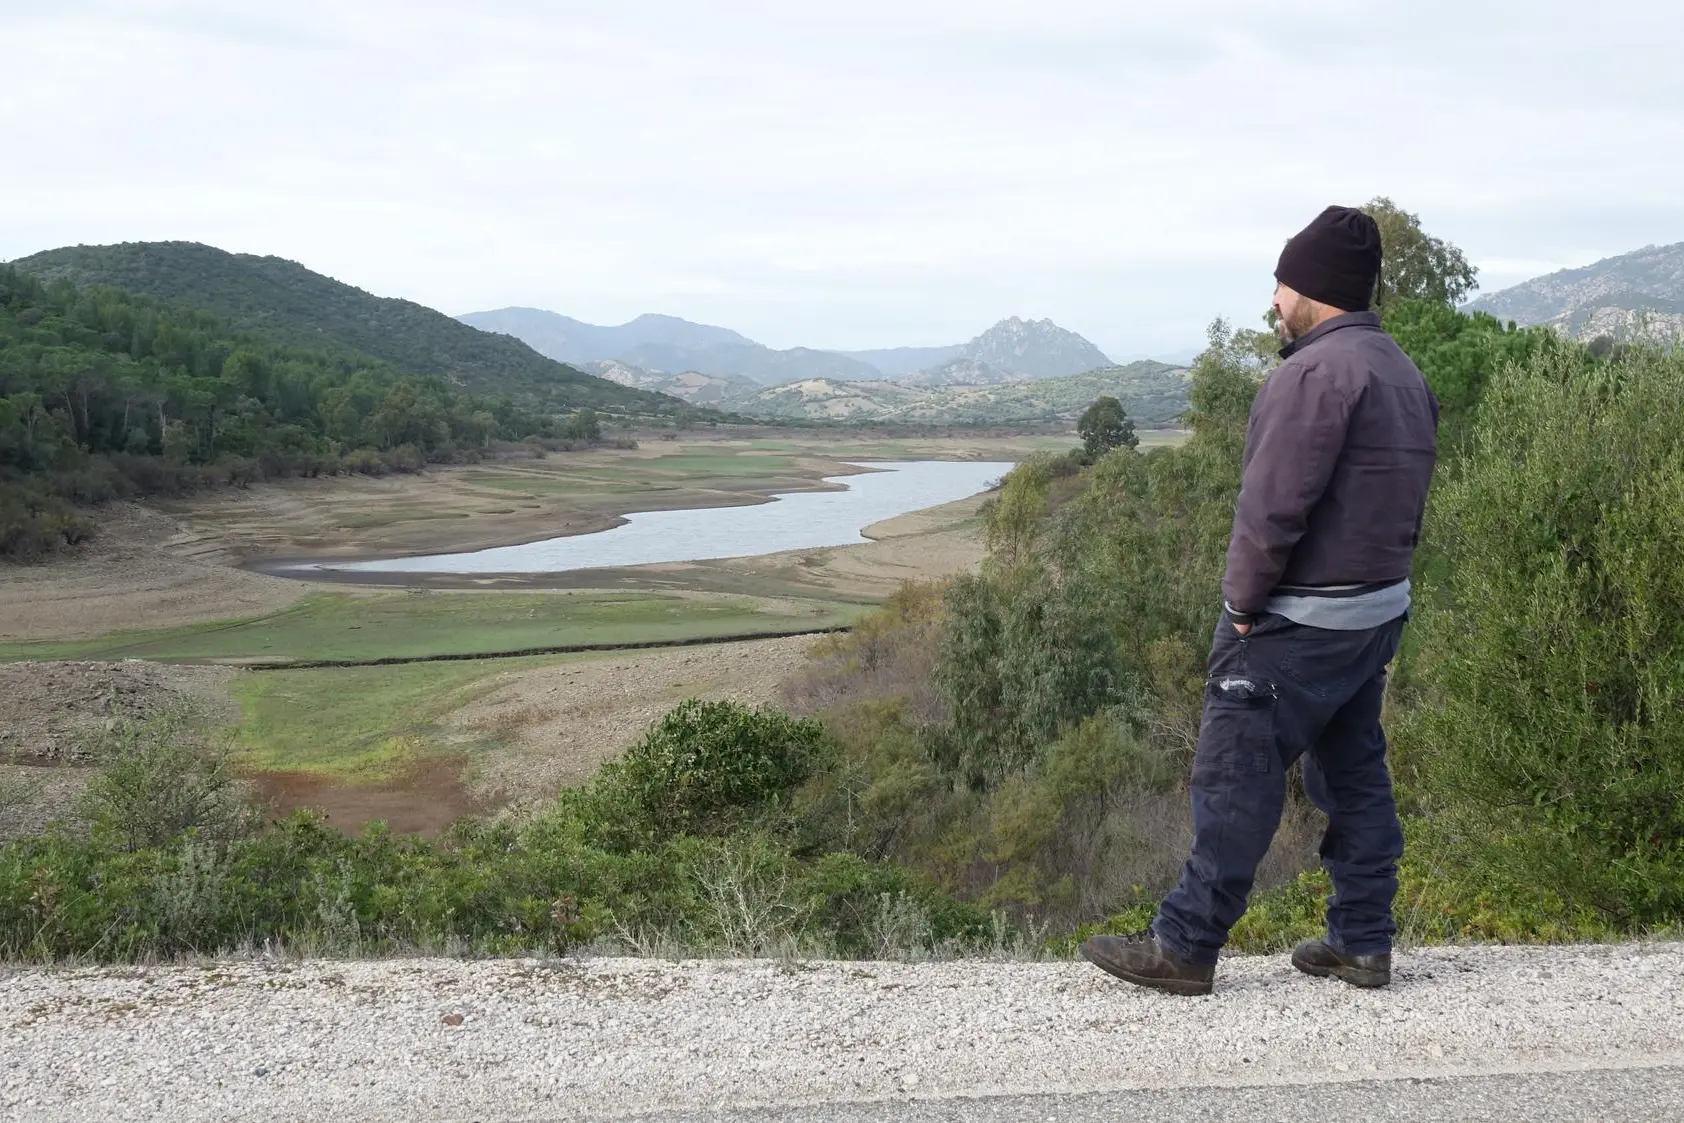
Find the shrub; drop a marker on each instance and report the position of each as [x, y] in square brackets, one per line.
[708, 767]
[35, 523]
[889, 655]
[161, 777]
[1545, 741]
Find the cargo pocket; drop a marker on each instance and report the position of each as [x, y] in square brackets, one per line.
[1237, 736]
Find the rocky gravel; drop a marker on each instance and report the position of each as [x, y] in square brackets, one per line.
[53, 711]
[599, 1038]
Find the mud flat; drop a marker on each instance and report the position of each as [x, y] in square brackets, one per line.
[163, 564]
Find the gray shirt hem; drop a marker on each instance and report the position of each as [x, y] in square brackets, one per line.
[1344, 613]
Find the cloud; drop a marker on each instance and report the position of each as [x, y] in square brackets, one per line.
[830, 175]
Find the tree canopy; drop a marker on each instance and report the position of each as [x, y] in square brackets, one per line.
[290, 304]
[1417, 265]
[1104, 426]
[106, 394]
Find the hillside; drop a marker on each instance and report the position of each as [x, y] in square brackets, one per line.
[290, 304]
[962, 371]
[826, 399]
[1633, 295]
[107, 395]
[693, 386]
[1153, 394]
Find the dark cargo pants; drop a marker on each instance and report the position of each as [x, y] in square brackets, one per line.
[1288, 691]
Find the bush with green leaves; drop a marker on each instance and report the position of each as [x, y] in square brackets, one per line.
[1458, 353]
[1101, 590]
[162, 776]
[543, 887]
[1543, 738]
[707, 767]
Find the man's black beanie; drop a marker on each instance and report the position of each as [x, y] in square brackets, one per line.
[1335, 259]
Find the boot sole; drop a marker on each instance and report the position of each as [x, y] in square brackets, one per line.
[1187, 988]
[1368, 980]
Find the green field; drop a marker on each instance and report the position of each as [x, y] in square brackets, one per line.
[411, 625]
[355, 722]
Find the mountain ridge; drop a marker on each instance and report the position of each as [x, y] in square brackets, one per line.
[894, 362]
[291, 303]
[567, 340]
[1638, 294]
[1033, 349]
[1012, 349]
[1153, 393]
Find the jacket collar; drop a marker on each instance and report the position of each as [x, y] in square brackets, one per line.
[1328, 327]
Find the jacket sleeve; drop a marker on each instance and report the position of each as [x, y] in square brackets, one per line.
[1297, 434]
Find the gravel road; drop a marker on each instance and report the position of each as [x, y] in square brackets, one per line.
[568, 1039]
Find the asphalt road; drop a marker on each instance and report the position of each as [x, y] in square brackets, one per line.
[1628, 1095]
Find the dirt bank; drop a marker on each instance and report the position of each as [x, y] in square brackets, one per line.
[145, 569]
[555, 725]
[167, 563]
[48, 711]
[51, 715]
[33, 796]
[423, 800]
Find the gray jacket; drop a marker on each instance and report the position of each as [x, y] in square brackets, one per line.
[1339, 454]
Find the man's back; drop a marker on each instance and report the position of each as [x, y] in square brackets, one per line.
[1339, 456]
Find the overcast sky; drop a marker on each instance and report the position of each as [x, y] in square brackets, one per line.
[849, 175]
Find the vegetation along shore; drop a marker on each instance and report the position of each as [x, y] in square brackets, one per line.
[993, 758]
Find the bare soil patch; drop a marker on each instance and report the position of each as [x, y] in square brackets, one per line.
[48, 710]
[555, 725]
[34, 795]
[423, 800]
[144, 569]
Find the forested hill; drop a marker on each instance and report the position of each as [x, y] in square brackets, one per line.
[104, 394]
[290, 304]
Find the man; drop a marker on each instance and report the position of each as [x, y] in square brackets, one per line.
[1339, 454]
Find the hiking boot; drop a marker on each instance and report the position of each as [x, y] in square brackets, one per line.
[1319, 958]
[1143, 961]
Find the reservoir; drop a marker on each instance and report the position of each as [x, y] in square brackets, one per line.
[796, 521]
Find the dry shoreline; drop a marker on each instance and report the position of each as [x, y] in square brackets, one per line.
[274, 563]
[169, 563]
[286, 566]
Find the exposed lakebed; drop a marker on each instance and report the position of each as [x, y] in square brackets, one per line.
[794, 521]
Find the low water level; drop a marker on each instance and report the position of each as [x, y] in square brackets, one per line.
[799, 521]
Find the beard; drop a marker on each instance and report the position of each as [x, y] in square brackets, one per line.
[1296, 325]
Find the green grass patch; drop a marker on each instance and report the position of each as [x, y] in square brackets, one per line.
[410, 625]
[362, 722]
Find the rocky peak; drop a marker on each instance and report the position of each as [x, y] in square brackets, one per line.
[1033, 349]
